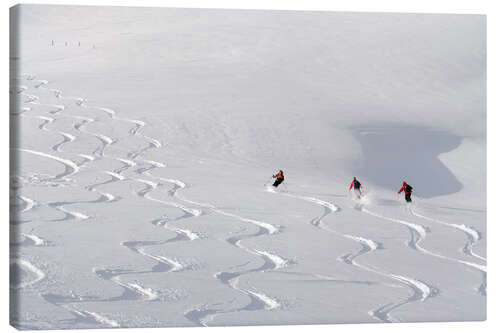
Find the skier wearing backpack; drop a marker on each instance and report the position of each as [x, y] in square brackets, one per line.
[279, 178]
[407, 188]
[357, 187]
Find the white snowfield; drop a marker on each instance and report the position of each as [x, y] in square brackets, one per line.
[144, 140]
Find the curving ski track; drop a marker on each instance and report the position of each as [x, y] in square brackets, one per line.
[420, 290]
[258, 301]
[418, 234]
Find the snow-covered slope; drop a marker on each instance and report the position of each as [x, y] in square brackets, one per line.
[142, 140]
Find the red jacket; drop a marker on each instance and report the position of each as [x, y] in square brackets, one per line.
[403, 188]
[352, 184]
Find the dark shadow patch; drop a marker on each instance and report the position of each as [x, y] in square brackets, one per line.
[395, 152]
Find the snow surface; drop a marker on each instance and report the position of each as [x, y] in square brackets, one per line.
[142, 140]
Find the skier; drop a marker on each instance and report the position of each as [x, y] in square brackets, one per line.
[407, 188]
[279, 178]
[357, 187]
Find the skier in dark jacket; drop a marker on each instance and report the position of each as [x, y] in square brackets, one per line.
[279, 178]
[407, 188]
[357, 187]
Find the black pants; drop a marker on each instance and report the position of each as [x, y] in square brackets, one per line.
[278, 181]
[408, 196]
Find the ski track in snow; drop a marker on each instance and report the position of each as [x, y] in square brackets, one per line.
[271, 261]
[46, 120]
[66, 138]
[68, 214]
[136, 130]
[37, 272]
[473, 236]
[418, 234]
[116, 175]
[93, 317]
[35, 240]
[131, 289]
[98, 153]
[202, 315]
[258, 301]
[104, 139]
[420, 290]
[29, 204]
[70, 166]
[163, 264]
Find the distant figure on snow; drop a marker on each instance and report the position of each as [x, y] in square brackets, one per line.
[407, 188]
[279, 178]
[357, 187]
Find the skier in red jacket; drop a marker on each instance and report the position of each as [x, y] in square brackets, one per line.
[407, 188]
[357, 187]
[279, 178]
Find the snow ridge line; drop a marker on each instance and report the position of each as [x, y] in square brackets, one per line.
[415, 244]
